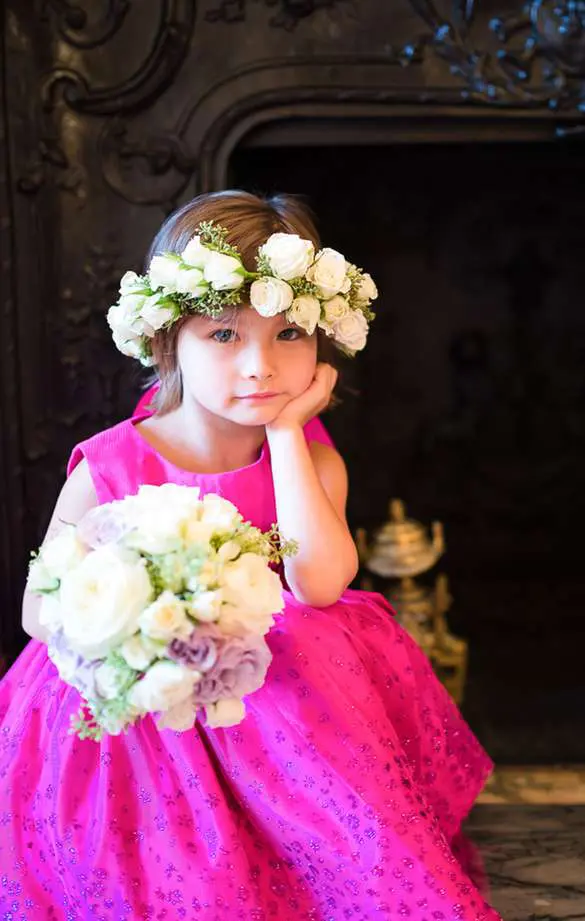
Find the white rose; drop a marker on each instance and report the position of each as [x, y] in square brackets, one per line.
[329, 272]
[128, 345]
[252, 593]
[305, 311]
[209, 575]
[196, 253]
[163, 271]
[270, 296]
[191, 282]
[220, 512]
[366, 290]
[39, 578]
[223, 272]
[165, 618]
[288, 255]
[102, 599]
[155, 314]
[225, 713]
[108, 681]
[206, 607]
[131, 283]
[164, 685]
[138, 651]
[352, 331]
[124, 318]
[180, 717]
[63, 552]
[158, 515]
[50, 615]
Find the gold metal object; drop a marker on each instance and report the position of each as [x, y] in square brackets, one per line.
[400, 550]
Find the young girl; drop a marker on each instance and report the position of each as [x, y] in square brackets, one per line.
[340, 793]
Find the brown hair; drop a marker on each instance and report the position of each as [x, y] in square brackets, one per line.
[249, 221]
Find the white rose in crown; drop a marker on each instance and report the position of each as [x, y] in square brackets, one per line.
[252, 593]
[329, 273]
[191, 282]
[165, 618]
[125, 317]
[163, 272]
[164, 685]
[102, 599]
[335, 309]
[195, 253]
[351, 331]
[131, 283]
[366, 290]
[288, 255]
[128, 345]
[223, 272]
[155, 315]
[270, 296]
[305, 311]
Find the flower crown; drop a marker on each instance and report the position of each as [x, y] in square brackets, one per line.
[314, 289]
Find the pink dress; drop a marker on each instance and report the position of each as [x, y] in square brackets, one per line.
[336, 799]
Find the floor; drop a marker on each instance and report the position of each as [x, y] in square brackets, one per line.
[529, 833]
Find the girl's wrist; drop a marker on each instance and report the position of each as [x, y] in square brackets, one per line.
[283, 429]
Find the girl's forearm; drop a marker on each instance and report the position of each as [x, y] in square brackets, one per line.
[327, 559]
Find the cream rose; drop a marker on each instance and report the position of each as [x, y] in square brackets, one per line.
[206, 607]
[252, 593]
[351, 331]
[180, 717]
[225, 713]
[288, 255]
[164, 685]
[366, 290]
[335, 308]
[163, 271]
[102, 599]
[329, 272]
[305, 311]
[270, 296]
[165, 618]
[223, 272]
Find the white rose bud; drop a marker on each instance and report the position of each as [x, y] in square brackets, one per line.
[288, 255]
[163, 271]
[138, 651]
[155, 314]
[223, 272]
[39, 578]
[124, 318]
[164, 685]
[165, 618]
[270, 296]
[328, 272]
[196, 253]
[63, 552]
[191, 282]
[108, 681]
[130, 346]
[50, 613]
[352, 331]
[305, 311]
[225, 713]
[366, 290]
[131, 283]
[206, 607]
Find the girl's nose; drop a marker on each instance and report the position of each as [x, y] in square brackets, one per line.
[258, 363]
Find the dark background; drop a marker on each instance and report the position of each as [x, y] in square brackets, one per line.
[442, 152]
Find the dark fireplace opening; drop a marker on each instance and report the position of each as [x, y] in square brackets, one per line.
[469, 402]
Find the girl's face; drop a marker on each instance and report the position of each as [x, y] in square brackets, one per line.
[245, 367]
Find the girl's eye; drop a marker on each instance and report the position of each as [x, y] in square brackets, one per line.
[223, 335]
[290, 334]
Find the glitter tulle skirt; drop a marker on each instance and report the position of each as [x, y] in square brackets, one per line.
[337, 798]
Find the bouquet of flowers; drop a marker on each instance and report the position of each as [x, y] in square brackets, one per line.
[159, 603]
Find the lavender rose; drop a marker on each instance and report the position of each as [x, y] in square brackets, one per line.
[199, 651]
[240, 669]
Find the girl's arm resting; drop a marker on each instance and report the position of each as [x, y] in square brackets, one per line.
[76, 498]
[310, 484]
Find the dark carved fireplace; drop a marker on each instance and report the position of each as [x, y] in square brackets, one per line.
[442, 148]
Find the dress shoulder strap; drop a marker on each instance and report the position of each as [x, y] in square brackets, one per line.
[106, 454]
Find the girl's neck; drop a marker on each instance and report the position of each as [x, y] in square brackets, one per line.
[197, 440]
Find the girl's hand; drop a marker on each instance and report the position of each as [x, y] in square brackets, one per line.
[314, 400]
